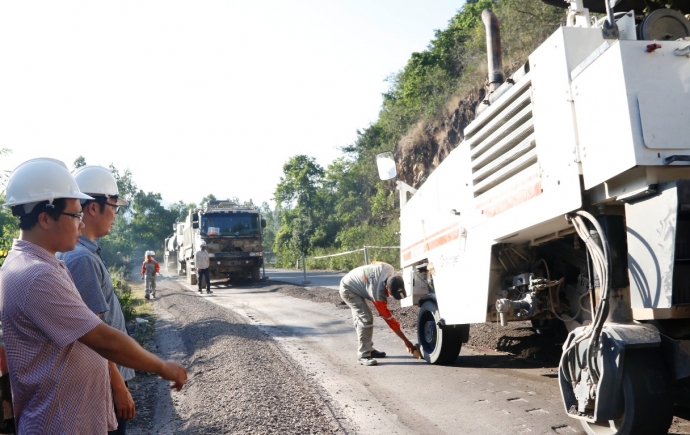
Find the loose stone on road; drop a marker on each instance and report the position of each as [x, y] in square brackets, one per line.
[272, 357]
[239, 379]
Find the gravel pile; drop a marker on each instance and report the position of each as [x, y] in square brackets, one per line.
[239, 379]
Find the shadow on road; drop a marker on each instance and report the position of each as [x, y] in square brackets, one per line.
[499, 362]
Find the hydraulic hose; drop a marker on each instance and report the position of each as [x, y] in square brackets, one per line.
[601, 262]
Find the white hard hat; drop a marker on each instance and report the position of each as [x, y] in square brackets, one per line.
[152, 253]
[147, 253]
[202, 243]
[97, 180]
[38, 180]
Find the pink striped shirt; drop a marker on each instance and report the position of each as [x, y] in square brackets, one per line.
[59, 385]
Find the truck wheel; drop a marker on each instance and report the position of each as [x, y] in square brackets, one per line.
[437, 345]
[191, 277]
[647, 407]
[256, 274]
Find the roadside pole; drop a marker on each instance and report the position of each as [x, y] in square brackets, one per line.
[304, 270]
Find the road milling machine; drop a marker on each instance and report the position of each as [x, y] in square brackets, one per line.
[569, 201]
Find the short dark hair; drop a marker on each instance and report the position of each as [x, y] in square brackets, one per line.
[29, 220]
[98, 199]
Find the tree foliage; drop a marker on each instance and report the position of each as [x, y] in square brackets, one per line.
[345, 206]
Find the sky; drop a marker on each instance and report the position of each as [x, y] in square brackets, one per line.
[201, 97]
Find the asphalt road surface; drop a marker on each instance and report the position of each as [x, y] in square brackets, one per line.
[314, 278]
[484, 392]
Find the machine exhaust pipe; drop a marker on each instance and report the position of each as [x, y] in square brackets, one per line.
[493, 49]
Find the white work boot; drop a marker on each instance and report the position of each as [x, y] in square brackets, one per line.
[367, 361]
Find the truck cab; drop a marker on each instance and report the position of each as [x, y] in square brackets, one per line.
[232, 234]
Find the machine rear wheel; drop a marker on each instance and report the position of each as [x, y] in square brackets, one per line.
[647, 408]
[437, 345]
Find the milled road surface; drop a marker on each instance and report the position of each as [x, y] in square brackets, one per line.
[261, 361]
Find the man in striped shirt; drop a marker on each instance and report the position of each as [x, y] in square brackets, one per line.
[92, 278]
[374, 282]
[57, 348]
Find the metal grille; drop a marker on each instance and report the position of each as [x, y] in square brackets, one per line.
[501, 140]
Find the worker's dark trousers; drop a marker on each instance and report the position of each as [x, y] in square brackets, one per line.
[207, 275]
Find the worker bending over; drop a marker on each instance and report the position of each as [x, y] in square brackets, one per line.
[375, 283]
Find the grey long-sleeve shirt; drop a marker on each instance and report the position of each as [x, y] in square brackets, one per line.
[201, 260]
[369, 281]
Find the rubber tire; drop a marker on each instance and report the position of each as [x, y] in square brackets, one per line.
[648, 406]
[256, 274]
[191, 277]
[437, 346]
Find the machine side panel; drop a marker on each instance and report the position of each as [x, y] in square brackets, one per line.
[651, 229]
[461, 279]
[624, 115]
[427, 221]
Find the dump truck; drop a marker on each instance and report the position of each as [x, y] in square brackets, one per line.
[232, 233]
[568, 203]
[171, 246]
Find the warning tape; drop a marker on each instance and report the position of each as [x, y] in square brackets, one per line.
[352, 252]
[335, 255]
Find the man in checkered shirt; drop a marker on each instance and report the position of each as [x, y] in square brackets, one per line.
[57, 348]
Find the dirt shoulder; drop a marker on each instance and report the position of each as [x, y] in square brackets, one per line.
[240, 381]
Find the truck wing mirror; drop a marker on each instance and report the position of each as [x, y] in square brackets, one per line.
[386, 165]
[263, 223]
[195, 225]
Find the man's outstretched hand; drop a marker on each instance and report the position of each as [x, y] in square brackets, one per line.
[175, 373]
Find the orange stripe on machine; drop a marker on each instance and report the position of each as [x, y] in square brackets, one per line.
[430, 243]
[522, 192]
[431, 236]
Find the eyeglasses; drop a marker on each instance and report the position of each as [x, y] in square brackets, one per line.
[74, 215]
[116, 207]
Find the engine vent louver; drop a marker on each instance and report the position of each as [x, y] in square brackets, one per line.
[501, 143]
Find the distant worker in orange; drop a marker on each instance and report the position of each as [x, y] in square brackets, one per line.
[149, 270]
[374, 282]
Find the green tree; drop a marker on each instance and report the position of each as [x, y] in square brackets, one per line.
[207, 198]
[296, 198]
[126, 186]
[268, 235]
[79, 162]
[9, 229]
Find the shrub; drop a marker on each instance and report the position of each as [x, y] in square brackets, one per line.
[123, 291]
